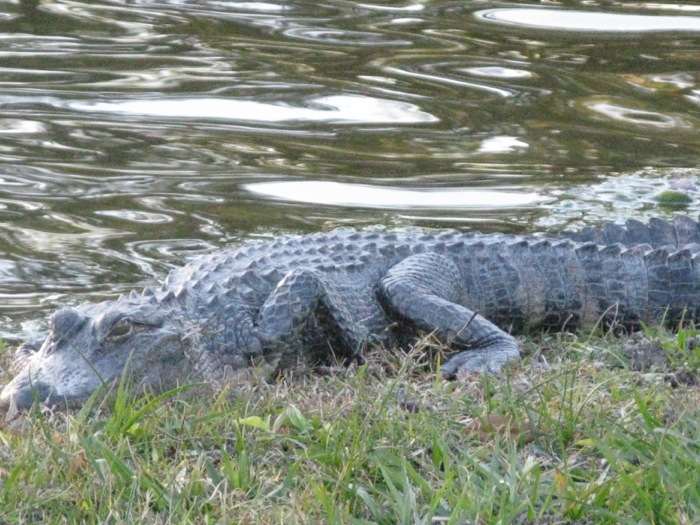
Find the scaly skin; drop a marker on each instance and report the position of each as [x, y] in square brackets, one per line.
[268, 304]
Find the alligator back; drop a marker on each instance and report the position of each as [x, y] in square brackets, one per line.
[626, 274]
[649, 273]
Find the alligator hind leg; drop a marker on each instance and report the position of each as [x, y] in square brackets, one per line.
[305, 303]
[425, 290]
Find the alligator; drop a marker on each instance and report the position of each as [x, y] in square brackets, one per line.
[265, 305]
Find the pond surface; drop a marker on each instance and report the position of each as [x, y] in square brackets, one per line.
[135, 134]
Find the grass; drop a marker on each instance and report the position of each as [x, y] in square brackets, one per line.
[569, 436]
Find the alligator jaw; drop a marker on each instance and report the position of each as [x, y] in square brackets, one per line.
[20, 394]
[8, 410]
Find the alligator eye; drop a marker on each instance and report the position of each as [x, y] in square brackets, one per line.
[121, 328]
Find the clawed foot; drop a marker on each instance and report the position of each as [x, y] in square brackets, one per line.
[476, 361]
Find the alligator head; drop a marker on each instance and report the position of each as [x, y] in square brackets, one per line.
[94, 345]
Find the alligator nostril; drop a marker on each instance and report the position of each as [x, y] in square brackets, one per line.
[25, 396]
[65, 322]
[50, 347]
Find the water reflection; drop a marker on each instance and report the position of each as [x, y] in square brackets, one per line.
[252, 6]
[497, 72]
[17, 126]
[337, 36]
[338, 108]
[434, 74]
[502, 144]
[49, 242]
[347, 109]
[368, 196]
[137, 216]
[413, 6]
[570, 20]
[136, 133]
[634, 116]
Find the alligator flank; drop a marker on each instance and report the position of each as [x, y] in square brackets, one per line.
[270, 304]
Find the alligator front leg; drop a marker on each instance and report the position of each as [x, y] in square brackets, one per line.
[304, 304]
[425, 290]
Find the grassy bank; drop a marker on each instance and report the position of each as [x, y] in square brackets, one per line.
[573, 435]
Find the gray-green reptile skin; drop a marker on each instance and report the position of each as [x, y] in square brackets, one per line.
[265, 305]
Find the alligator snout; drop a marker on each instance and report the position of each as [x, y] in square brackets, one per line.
[22, 396]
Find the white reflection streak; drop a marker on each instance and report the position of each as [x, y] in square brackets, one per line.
[253, 6]
[445, 80]
[410, 8]
[559, 19]
[694, 96]
[365, 195]
[501, 144]
[644, 118]
[669, 7]
[17, 126]
[339, 108]
[497, 72]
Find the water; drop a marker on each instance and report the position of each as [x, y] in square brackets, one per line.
[135, 134]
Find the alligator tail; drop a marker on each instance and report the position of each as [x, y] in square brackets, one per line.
[657, 233]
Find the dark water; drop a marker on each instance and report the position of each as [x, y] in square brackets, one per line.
[134, 134]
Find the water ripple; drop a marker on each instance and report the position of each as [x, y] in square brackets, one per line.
[265, 7]
[344, 37]
[412, 7]
[430, 73]
[617, 111]
[174, 251]
[57, 242]
[137, 216]
[497, 72]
